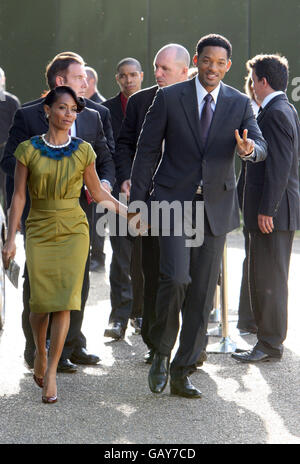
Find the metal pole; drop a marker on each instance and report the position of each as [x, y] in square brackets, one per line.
[226, 345]
[215, 314]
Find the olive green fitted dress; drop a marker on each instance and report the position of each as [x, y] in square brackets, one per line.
[57, 231]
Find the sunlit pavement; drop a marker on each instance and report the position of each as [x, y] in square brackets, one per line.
[111, 403]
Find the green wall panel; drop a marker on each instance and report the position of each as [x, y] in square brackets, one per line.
[105, 31]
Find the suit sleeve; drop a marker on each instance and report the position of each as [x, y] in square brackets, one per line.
[279, 134]
[126, 143]
[254, 133]
[18, 133]
[104, 162]
[108, 130]
[149, 148]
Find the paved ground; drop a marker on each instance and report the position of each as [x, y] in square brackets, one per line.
[111, 403]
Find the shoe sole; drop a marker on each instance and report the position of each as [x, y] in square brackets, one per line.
[256, 362]
[175, 392]
[67, 371]
[109, 334]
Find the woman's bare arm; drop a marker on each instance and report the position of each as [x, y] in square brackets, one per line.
[16, 210]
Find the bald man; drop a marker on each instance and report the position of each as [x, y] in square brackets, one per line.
[171, 65]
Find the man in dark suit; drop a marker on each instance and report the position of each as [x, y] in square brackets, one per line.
[92, 91]
[272, 207]
[171, 65]
[126, 278]
[200, 122]
[97, 263]
[9, 104]
[29, 121]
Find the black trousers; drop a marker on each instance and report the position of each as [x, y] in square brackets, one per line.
[97, 241]
[246, 318]
[126, 280]
[150, 262]
[268, 275]
[75, 338]
[188, 279]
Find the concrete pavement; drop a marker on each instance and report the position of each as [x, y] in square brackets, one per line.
[111, 403]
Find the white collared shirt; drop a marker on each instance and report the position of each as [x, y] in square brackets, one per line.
[201, 94]
[270, 97]
[73, 129]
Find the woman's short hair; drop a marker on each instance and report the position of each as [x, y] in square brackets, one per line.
[54, 94]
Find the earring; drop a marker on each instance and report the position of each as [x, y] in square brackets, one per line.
[46, 115]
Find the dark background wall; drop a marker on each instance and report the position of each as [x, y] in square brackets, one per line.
[105, 31]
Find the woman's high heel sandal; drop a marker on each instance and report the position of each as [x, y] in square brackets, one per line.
[49, 399]
[39, 381]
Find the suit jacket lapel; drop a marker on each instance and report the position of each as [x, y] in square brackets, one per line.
[190, 106]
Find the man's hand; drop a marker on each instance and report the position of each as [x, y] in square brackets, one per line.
[125, 187]
[265, 224]
[106, 186]
[244, 146]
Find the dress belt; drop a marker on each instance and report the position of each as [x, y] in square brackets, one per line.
[69, 203]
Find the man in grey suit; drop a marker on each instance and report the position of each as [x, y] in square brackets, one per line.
[272, 208]
[201, 122]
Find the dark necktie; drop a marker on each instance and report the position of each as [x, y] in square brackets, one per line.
[206, 117]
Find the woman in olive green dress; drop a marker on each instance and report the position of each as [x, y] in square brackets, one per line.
[54, 166]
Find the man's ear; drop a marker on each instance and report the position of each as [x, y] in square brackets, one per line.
[228, 66]
[59, 80]
[195, 60]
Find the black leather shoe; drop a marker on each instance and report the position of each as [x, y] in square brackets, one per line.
[66, 366]
[159, 373]
[115, 330]
[136, 323]
[97, 266]
[29, 357]
[247, 330]
[184, 387]
[83, 357]
[148, 358]
[254, 356]
[202, 359]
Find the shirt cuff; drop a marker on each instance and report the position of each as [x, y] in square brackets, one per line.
[107, 181]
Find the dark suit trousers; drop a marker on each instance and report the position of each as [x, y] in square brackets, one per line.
[188, 279]
[269, 270]
[150, 261]
[245, 314]
[126, 279]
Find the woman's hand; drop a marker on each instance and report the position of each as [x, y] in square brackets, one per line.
[8, 253]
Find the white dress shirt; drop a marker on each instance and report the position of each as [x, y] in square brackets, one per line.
[201, 94]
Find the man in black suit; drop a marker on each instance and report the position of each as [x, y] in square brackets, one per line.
[9, 104]
[200, 122]
[126, 278]
[171, 65]
[92, 91]
[97, 241]
[272, 207]
[29, 121]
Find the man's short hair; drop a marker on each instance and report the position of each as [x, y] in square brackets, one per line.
[59, 67]
[214, 40]
[181, 56]
[129, 61]
[91, 73]
[274, 68]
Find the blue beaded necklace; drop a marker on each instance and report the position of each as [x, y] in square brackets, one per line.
[53, 152]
